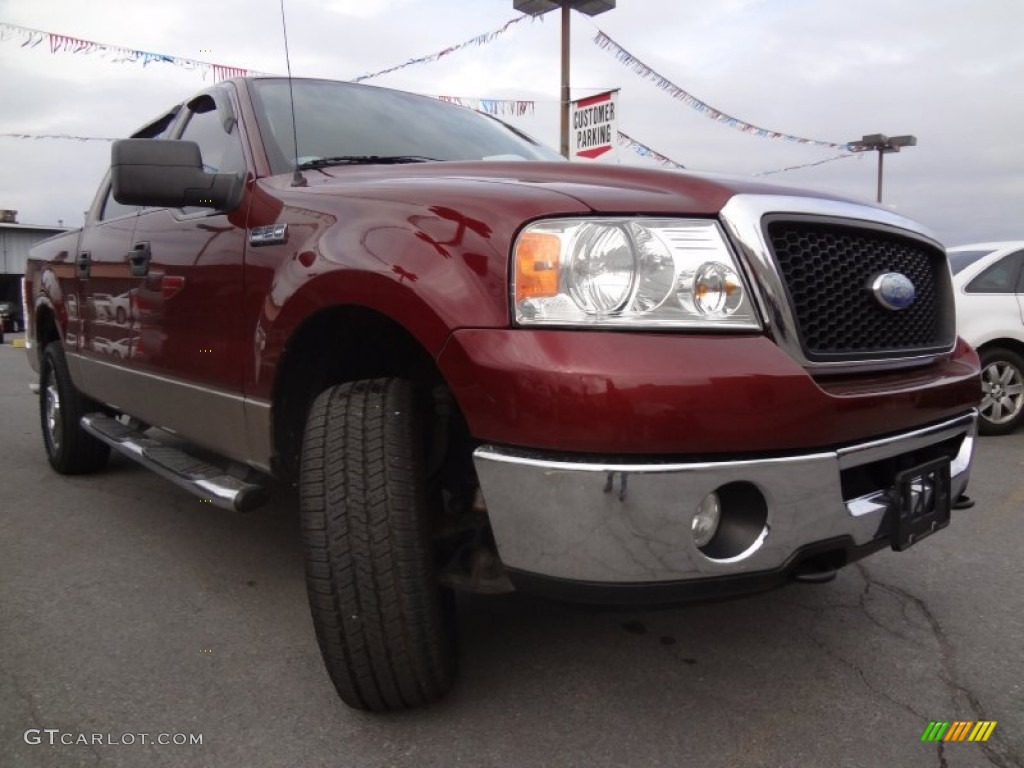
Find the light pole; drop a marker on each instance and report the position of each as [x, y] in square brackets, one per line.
[590, 8]
[884, 145]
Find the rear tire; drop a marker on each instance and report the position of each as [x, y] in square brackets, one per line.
[1002, 383]
[385, 627]
[70, 449]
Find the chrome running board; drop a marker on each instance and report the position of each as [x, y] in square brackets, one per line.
[208, 482]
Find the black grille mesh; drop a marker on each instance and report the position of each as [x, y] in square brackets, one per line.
[828, 270]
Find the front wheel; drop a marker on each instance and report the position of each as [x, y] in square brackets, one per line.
[1002, 384]
[384, 625]
[70, 449]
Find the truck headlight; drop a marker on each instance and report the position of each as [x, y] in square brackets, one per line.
[635, 272]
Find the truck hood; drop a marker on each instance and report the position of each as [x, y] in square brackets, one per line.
[601, 188]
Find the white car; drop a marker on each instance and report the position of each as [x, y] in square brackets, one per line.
[988, 279]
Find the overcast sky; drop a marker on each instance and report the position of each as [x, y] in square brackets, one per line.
[950, 72]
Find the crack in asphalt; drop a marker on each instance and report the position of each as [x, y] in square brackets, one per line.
[29, 701]
[823, 647]
[863, 605]
[997, 753]
[35, 717]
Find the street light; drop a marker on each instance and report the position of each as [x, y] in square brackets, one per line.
[884, 145]
[590, 8]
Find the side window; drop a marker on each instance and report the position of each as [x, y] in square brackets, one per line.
[113, 209]
[1002, 277]
[222, 151]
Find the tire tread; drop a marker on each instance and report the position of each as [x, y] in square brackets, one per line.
[369, 570]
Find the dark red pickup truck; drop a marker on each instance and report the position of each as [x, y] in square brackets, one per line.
[489, 369]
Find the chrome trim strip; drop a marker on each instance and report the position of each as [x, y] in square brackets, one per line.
[865, 453]
[850, 456]
[758, 542]
[227, 423]
[619, 522]
[515, 456]
[742, 216]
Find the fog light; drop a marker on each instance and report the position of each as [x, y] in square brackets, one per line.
[705, 522]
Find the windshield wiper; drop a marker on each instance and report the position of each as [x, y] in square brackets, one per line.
[323, 162]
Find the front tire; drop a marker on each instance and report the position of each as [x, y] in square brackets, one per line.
[70, 449]
[1002, 384]
[385, 627]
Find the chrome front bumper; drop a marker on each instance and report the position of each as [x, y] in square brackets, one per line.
[630, 523]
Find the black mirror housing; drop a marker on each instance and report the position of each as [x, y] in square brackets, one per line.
[169, 174]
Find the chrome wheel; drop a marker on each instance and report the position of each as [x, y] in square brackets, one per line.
[1002, 386]
[69, 448]
[54, 425]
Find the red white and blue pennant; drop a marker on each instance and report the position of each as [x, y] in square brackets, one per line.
[636, 65]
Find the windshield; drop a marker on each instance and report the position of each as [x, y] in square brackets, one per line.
[347, 120]
[961, 260]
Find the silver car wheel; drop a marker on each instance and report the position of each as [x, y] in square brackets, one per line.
[54, 427]
[1002, 386]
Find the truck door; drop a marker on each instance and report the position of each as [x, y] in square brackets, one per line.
[188, 349]
[102, 269]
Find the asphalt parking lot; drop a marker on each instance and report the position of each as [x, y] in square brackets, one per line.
[127, 607]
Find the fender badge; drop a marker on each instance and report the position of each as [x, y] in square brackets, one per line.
[272, 234]
[893, 290]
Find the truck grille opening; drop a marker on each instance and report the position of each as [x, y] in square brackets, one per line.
[827, 269]
[879, 475]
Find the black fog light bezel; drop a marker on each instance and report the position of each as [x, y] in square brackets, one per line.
[742, 522]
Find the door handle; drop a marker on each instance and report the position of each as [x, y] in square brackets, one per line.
[139, 258]
[82, 265]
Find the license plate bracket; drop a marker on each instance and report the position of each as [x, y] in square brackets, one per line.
[922, 503]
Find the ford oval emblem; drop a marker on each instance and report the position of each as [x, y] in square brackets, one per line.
[893, 290]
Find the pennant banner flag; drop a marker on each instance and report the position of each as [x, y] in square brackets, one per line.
[496, 107]
[64, 136]
[807, 165]
[606, 43]
[645, 151]
[478, 40]
[30, 38]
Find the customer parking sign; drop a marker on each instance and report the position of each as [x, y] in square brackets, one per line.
[593, 124]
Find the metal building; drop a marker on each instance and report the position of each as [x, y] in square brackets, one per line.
[15, 242]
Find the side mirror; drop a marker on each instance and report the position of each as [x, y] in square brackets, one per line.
[169, 174]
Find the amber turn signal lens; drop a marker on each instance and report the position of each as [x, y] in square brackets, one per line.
[536, 265]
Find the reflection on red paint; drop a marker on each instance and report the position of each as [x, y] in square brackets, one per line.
[171, 285]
